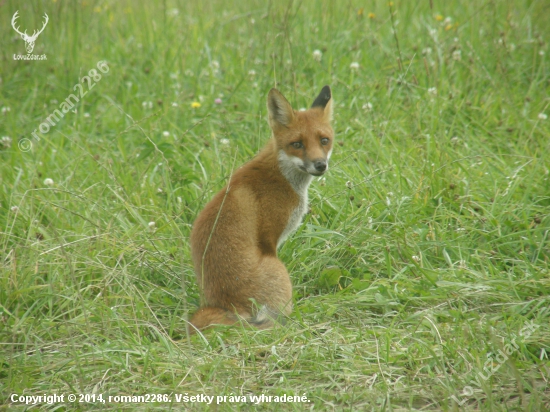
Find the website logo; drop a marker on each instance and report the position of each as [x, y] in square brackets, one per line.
[29, 40]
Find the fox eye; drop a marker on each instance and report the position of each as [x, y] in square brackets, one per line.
[297, 145]
[324, 141]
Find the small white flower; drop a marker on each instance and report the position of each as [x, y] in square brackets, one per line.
[457, 55]
[48, 181]
[174, 104]
[455, 140]
[541, 52]
[354, 66]
[180, 200]
[432, 91]
[152, 225]
[543, 116]
[147, 105]
[166, 133]
[447, 21]
[367, 106]
[129, 84]
[14, 209]
[86, 114]
[416, 258]
[427, 51]
[5, 141]
[224, 141]
[159, 190]
[5, 109]
[252, 73]
[317, 55]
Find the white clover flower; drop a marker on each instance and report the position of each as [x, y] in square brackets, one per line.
[174, 104]
[152, 225]
[147, 105]
[317, 55]
[48, 181]
[86, 114]
[5, 109]
[455, 140]
[367, 106]
[354, 66]
[166, 133]
[543, 116]
[541, 52]
[432, 91]
[14, 209]
[224, 141]
[252, 73]
[416, 258]
[447, 20]
[457, 55]
[6, 141]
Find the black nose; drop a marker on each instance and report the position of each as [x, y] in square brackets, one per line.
[320, 165]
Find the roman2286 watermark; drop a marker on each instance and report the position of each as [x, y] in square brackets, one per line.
[66, 105]
[29, 40]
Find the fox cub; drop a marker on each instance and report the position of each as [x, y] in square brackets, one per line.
[235, 238]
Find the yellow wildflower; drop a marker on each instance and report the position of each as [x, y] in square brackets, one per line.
[195, 105]
[439, 17]
[371, 15]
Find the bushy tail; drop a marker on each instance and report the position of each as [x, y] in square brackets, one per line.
[210, 316]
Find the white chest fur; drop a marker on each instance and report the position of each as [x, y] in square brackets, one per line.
[299, 180]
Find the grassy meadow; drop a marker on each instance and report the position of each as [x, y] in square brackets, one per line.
[421, 273]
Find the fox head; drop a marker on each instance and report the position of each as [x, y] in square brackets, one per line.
[303, 138]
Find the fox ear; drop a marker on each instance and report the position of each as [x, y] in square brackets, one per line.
[324, 101]
[280, 110]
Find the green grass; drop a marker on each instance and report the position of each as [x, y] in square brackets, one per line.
[426, 250]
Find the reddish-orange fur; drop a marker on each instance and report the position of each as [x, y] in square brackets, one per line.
[234, 239]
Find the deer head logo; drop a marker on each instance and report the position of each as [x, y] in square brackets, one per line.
[29, 40]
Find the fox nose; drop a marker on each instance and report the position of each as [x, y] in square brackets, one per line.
[320, 165]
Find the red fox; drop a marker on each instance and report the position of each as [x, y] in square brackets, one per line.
[235, 238]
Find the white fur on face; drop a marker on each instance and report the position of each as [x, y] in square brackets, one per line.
[299, 180]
